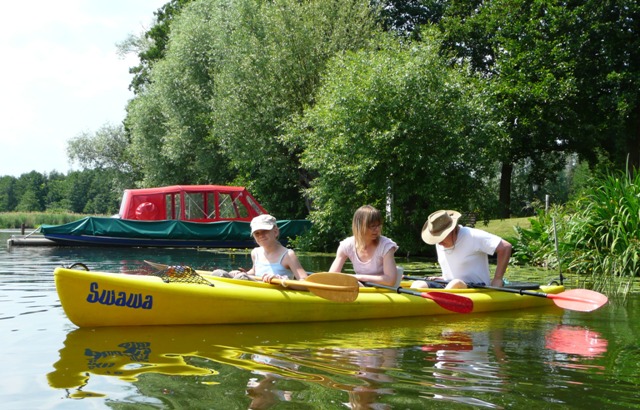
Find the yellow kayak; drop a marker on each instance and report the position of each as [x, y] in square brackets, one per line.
[93, 299]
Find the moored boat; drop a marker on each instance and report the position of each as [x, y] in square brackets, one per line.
[93, 299]
[211, 216]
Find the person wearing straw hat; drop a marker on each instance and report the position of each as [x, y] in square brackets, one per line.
[463, 252]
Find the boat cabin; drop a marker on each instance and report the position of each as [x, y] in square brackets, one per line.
[194, 203]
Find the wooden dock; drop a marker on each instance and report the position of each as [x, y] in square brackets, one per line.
[27, 240]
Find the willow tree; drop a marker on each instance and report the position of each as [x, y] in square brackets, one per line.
[277, 53]
[394, 126]
[233, 73]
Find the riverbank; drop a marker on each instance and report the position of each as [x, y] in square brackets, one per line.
[32, 220]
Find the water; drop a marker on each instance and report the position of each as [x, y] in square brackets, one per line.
[547, 358]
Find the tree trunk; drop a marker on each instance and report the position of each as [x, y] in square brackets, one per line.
[634, 145]
[505, 190]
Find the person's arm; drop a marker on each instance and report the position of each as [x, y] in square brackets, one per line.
[503, 254]
[389, 269]
[292, 263]
[253, 266]
[338, 262]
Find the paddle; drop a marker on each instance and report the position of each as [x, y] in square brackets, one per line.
[449, 301]
[581, 300]
[336, 287]
[513, 285]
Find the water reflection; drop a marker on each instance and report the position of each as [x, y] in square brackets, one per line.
[576, 340]
[498, 360]
[363, 363]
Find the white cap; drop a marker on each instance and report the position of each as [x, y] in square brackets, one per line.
[262, 222]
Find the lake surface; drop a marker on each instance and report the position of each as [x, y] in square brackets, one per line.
[542, 358]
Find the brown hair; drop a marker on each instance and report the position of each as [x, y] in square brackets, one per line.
[364, 216]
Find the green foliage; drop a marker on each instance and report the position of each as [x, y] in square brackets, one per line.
[274, 63]
[14, 220]
[561, 78]
[232, 74]
[598, 235]
[35, 192]
[535, 244]
[151, 46]
[604, 232]
[394, 122]
[169, 122]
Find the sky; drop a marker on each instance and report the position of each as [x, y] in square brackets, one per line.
[61, 75]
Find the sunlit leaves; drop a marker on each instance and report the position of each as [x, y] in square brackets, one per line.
[395, 121]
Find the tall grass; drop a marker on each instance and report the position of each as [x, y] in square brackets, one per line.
[605, 233]
[31, 220]
[598, 236]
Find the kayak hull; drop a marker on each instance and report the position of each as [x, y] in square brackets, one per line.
[94, 299]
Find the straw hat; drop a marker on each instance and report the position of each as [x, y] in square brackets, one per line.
[439, 225]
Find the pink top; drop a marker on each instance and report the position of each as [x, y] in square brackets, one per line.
[373, 266]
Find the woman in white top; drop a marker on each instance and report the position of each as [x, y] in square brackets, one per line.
[371, 254]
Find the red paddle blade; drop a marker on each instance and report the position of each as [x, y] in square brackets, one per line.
[450, 301]
[582, 300]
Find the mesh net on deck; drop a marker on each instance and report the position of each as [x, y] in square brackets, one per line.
[181, 274]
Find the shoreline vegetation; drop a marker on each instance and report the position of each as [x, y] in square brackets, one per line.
[504, 228]
[32, 220]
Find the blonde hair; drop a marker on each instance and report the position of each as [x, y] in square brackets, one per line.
[364, 216]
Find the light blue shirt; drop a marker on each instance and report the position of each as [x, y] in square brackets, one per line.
[264, 267]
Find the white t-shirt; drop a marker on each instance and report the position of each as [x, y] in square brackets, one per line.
[375, 265]
[468, 260]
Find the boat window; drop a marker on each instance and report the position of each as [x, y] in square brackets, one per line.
[194, 206]
[168, 202]
[241, 208]
[177, 211]
[253, 205]
[227, 208]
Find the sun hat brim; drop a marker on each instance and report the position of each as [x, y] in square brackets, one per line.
[438, 225]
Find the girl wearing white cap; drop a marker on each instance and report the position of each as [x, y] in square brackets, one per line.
[271, 259]
[370, 253]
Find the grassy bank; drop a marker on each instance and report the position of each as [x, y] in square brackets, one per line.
[31, 220]
[504, 228]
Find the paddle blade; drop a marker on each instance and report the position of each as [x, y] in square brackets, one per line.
[451, 301]
[347, 287]
[582, 300]
[156, 266]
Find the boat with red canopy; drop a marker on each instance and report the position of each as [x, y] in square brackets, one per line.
[212, 216]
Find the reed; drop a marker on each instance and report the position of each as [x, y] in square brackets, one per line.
[31, 220]
[604, 231]
[598, 237]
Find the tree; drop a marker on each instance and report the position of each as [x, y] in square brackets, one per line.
[31, 192]
[8, 199]
[606, 54]
[107, 151]
[56, 188]
[279, 52]
[405, 17]
[151, 45]
[170, 122]
[233, 74]
[563, 77]
[396, 128]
